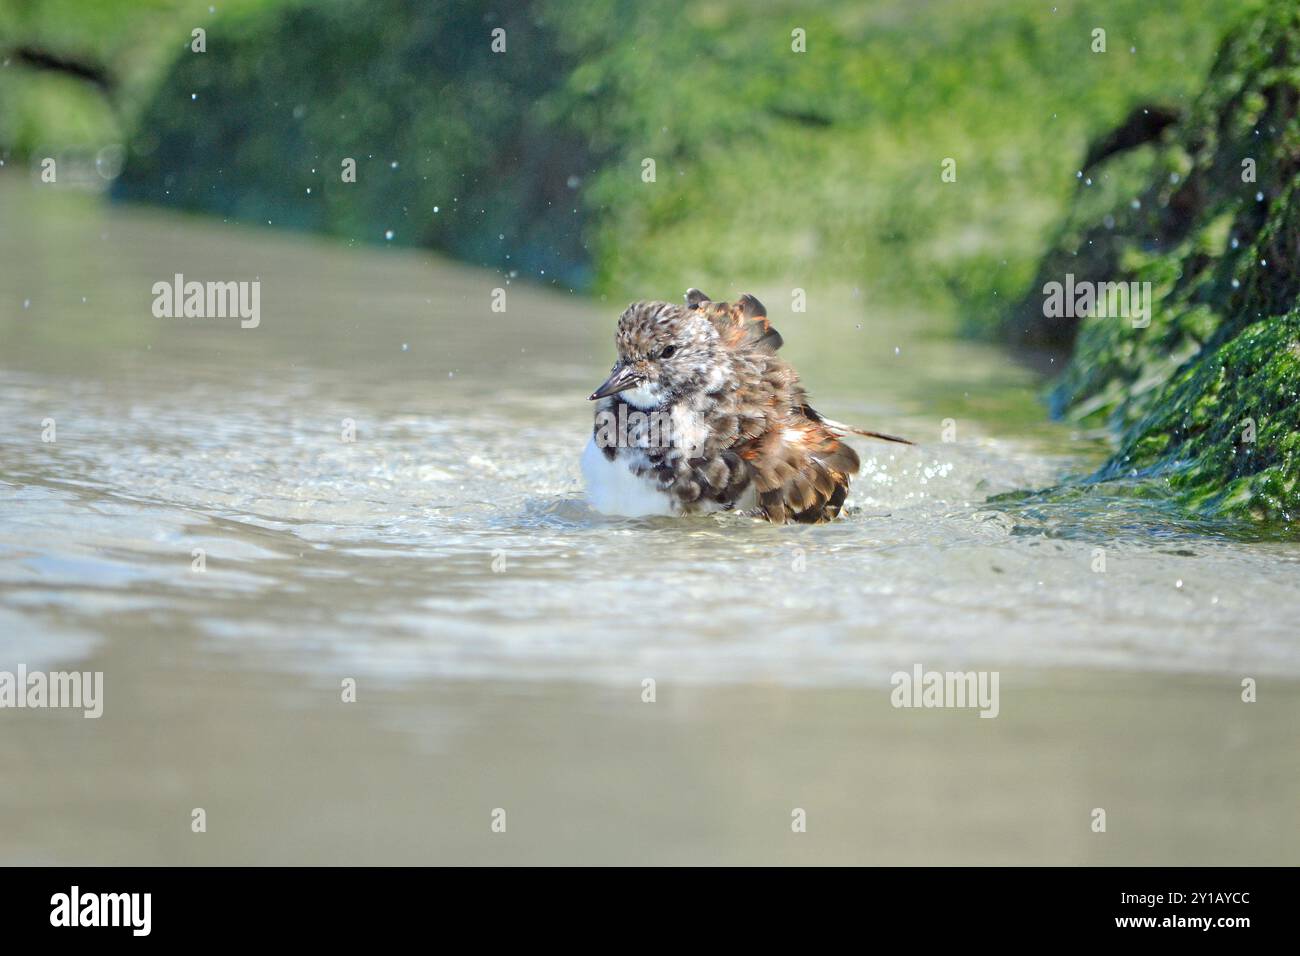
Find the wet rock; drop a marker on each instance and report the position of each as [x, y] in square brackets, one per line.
[1204, 397]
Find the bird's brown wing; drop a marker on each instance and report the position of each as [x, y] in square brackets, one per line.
[741, 324]
[798, 465]
[800, 470]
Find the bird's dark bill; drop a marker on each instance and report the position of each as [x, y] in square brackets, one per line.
[623, 378]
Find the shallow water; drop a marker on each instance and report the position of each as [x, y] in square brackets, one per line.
[499, 632]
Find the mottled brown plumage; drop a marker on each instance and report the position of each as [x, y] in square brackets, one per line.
[715, 420]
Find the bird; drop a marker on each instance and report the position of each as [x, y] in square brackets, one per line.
[699, 414]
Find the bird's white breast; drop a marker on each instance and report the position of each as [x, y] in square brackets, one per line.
[613, 489]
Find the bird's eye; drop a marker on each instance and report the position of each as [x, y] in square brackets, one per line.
[668, 351]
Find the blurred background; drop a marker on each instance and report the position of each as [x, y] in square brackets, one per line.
[379, 484]
[770, 165]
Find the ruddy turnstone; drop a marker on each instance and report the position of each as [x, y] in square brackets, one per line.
[699, 414]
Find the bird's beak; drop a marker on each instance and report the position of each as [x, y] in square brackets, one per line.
[623, 377]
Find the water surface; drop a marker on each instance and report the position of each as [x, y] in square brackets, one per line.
[500, 632]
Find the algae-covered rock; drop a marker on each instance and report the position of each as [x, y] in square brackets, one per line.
[1224, 430]
[441, 106]
[1202, 396]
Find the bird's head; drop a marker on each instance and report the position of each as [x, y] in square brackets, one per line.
[665, 352]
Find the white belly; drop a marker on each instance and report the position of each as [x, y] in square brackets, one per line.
[612, 489]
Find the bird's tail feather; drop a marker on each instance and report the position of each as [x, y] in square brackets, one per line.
[840, 426]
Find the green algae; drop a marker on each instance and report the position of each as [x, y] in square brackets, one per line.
[1203, 399]
[807, 169]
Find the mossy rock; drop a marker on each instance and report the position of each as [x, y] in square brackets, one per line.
[1216, 232]
[1225, 433]
[453, 144]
